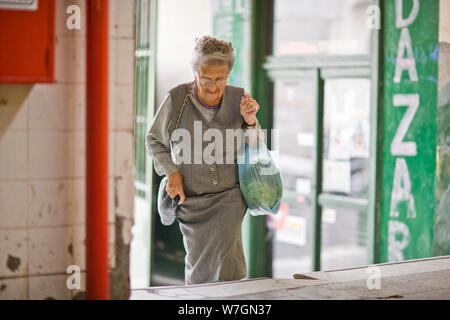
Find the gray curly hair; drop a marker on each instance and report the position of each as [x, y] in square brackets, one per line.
[212, 51]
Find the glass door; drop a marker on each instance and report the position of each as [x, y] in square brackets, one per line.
[322, 111]
[345, 171]
[294, 139]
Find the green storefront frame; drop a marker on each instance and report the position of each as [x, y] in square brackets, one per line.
[146, 13]
[320, 69]
[264, 68]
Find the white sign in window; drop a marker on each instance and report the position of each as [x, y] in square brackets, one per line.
[19, 4]
[303, 186]
[294, 231]
[337, 176]
[305, 139]
[329, 215]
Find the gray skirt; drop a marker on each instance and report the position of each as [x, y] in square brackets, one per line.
[211, 227]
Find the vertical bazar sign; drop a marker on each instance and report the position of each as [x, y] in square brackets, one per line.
[410, 72]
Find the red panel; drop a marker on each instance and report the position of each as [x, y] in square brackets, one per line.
[97, 276]
[27, 44]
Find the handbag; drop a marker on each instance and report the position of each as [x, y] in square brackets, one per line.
[166, 205]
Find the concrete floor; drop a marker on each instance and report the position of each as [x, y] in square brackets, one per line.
[414, 279]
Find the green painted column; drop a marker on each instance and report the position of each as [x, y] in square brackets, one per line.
[409, 103]
[262, 90]
[231, 22]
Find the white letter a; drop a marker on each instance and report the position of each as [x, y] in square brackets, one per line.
[73, 21]
[401, 190]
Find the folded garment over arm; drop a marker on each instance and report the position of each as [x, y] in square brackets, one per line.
[157, 140]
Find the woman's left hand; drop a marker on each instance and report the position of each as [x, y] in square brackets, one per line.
[249, 108]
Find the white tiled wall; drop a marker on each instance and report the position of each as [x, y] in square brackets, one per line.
[13, 204]
[48, 250]
[48, 287]
[14, 107]
[14, 289]
[13, 151]
[58, 107]
[14, 253]
[42, 161]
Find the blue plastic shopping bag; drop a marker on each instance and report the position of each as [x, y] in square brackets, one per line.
[260, 180]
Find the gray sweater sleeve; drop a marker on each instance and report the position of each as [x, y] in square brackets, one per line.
[157, 140]
[254, 136]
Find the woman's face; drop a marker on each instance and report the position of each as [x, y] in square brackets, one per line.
[211, 82]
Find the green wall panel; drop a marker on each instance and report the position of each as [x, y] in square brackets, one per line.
[231, 22]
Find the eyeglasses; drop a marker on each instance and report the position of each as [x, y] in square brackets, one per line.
[209, 82]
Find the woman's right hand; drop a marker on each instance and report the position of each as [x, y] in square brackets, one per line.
[175, 186]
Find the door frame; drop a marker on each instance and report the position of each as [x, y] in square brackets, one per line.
[326, 67]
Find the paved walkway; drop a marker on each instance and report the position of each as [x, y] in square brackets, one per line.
[415, 279]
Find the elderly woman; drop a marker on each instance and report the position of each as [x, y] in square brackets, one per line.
[211, 207]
